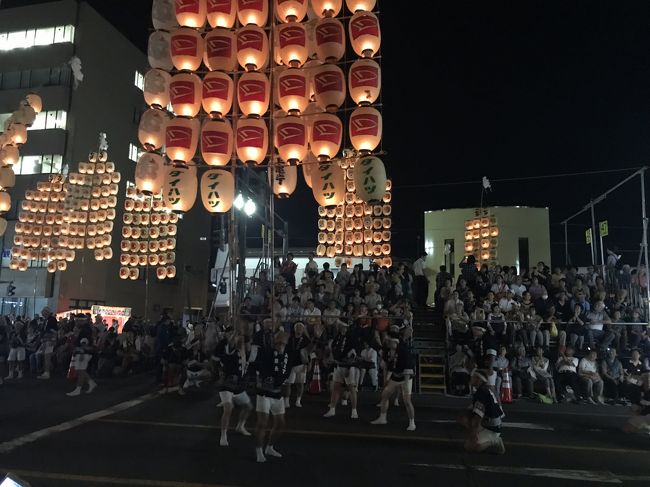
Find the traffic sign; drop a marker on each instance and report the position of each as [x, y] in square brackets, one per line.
[604, 228]
[588, 236]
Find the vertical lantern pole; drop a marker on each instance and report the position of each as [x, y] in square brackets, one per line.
[644, 242]
[233, 241]
[272, 158]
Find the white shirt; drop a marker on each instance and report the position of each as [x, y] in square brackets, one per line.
[506, 304]
[587, 365]
[596, 320]
[518, 289]
[562, 366]
[418, 267]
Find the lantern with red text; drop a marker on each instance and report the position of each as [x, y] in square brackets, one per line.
[365, 129]
[251, 140]
[156, 88]
[330, 40]
[216, 142]
[291, 139]
[217, 190]
[159, 51]
[253, 93]
[191, 13]
[326, 135]
[217, 94]
[291, 10]
[221, 13]
[328, 184]
[364, 81]
[283, 179]
[150, 173]
[370, 179]
[187, 47]
[252, 47]
[253, 12]
[179, 190]
[327, 8]
[185, 94]
[365, 34]
[357, 5]
[293, 44]
[181, 139]
[151, 131]
[293, 90]
[329, 86]
[220, 54]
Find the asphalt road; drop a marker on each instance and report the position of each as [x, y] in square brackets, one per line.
[127, 434]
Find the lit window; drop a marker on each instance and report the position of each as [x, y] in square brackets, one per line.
[36, 37]
[134, 152]
[31, 164]
[44, 164]
[54, 119]
[139, 80]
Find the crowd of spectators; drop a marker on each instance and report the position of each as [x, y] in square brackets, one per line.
[559, 334]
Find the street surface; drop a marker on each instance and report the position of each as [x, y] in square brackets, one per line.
[125, 433]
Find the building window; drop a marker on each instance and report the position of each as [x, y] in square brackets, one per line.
[134, 152]
[43, 164]
[47, 36]
[139, 80]
[54, 119]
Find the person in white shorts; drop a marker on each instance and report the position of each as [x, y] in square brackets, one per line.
[232, 389]
[81, 358]
[401, 366]
[16, 357]
[298, 352]
[344, 351]
[273, 369]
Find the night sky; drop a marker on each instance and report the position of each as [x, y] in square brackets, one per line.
[503, 90]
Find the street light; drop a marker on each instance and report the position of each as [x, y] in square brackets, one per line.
[239, 202]
[250, 207]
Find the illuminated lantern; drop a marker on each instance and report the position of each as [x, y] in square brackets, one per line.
[283, 179]
[253, 12]
[5, 202]
[217, 94]
[485, 222]
[329, 86]
[291, 10]
[485, 232]
[252, 47]
[181, 139]
[185, 94]
[485, 243]
[293, 44]
[156, 88]
[326, 136]
[253, 93]
[171, 271]
[328, 184]
[364, 81]
[18, 133]
[134, 274]
[291, 139]
[252, 140]
[327, 8]
[187, 47]
[308, 165]
[35, 102]
[158, 51]
[357, 5]
[220, 54]
[150, 173]
[163, 15]
[217, 191]
[9, 155]
[161, 273]
[330, 40]
[191, 13]
[179, 190]
[7, 178]
[494, 231]
[293, 90]
[365, 34]
[365, 131]
[216, 142]
[151, 131]
[221, 13]
[60, 265]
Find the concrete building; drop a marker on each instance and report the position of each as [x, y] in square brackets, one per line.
[36, 44]
[509, 236]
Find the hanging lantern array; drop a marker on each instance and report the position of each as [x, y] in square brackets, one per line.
[148, 236]
[481, 237]
[180, 188]
[217, 190]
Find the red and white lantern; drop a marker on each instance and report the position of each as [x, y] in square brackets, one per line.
[252, 142]
[291, 10]
[366, 129]
[293, 44]
[359, 5]
[330, 40]
[185, 94]
[254, 12]
[327, 8]
[182, 139]
[191, 13]
[293, 90]
[365, 34]
[216, 142]
[329, 87]
[291, 139]
[326, 136]
[221, 13]
[187, 47]
[217, 94]
[252, 47]
[364, 81]
[253, 93]
[220, 53]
